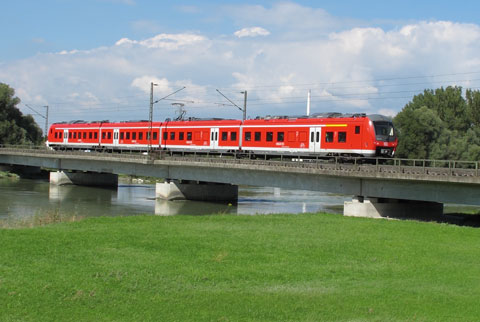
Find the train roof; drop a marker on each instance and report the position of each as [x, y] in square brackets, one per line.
[326, 117]
[202, 121]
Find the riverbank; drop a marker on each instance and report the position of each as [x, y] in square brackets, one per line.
[240, 268]
[6, 174]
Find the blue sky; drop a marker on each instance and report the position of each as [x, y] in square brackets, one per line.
[95, 58]
[55, 25]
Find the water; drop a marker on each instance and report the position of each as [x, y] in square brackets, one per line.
[23, 198]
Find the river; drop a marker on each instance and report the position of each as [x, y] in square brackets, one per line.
[24, 198]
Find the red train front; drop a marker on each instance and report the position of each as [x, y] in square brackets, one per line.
[319, 135]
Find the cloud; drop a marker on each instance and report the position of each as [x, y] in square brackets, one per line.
[165, 41]
[348, 67]
[143, 83]
[251, 32]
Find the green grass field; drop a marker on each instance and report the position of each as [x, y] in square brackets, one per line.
[240, 268]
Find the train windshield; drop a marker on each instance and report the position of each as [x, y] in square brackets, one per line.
[384, 131]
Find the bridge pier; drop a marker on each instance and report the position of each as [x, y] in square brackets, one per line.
[392, 208]
[193, 190]
[84, 178]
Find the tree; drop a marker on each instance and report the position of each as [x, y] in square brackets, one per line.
[418, 131]
[473, 106]
[15, 128]
[440, 124]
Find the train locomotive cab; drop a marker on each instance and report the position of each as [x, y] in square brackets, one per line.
[385, 140]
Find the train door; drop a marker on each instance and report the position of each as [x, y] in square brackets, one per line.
[65, 136]
[214, 137]
[315, 139]
[115, 136]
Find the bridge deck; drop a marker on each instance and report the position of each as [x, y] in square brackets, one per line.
[439, 181]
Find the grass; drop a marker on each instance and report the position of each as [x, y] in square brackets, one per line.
[240, 268]
[6, 174]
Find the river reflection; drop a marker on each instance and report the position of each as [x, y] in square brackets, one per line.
[25, 198]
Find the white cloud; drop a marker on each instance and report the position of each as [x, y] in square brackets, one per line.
[165, 41]
[251, 32]
[143, 83]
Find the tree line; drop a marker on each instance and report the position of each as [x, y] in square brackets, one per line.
[440, 124]
[16, 128]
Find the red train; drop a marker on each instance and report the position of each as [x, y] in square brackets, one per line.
[317, 135]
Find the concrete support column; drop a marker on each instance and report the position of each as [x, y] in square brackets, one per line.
[84, 178]
[203, 191]
[392, 208]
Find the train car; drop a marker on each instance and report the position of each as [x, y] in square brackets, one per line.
[103, 135]
[208, 135]
[75, 134]
[321, 135]
[330, 134]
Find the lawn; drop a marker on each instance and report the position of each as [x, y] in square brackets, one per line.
[309, 267]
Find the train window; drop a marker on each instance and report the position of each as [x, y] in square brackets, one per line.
[134, 135]
[109, 135]
[189, 136]
[280, 136]
[165, 135]
[181, 136]
[84, 135]
[154, 135]
[318, 136]
[74, 135]
[127, 135]
[121, 135]
[103, 135]
[312, 137]
[258, 136]
[95, 135]
[233, 136]
[248, 136]
[269, 136]
[172, 135]
[342, 136]
[329, 137]
[140, 135]
[224, 136]
[357, 129]
[90, 135]
[56, 135]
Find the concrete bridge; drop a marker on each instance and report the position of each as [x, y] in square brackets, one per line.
[397, 188]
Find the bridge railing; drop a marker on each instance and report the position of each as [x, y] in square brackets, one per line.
[337, 163]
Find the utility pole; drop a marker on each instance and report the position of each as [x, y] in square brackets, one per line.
[308, 102]
[43, 116]
[150, 117]
[46, 122]
[151, 110]
[244, 109]
[245, 105]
